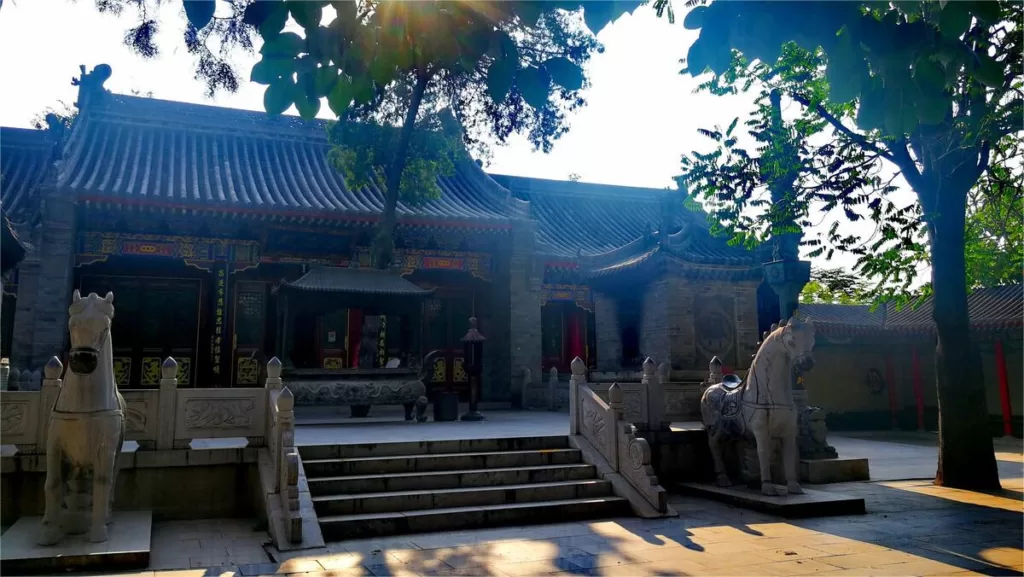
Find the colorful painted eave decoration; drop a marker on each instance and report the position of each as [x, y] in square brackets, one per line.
[199, 252]
[477, 264]
[567, 293]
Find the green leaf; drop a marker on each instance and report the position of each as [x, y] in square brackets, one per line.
[287, 44]
[871, 108]
[987, 11]
[500, 76]
[382, 71]
[274, 17]
[695, 18]
[341, 96]
[697, 58]
[564, 73]
[988, 71]
[269, 69]
[954, 19]
[324, 80]
[362, 89]
[199, 12]
[598, 14]
[844, 69]
[278, 97]
[306, 13]
[307, 107]
[535, 85]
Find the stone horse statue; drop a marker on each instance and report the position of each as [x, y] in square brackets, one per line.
[762, 407]
[86, 426]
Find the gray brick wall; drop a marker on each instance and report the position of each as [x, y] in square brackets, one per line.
[56, 274]
[607, 335]
[525, 279]
[25, 311]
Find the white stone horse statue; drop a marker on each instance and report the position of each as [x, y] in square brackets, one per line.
[86, 427]
[762, 407]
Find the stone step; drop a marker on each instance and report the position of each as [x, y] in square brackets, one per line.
[439, 462]
[340, 527]
[405, 501]
[432, 447]
[348, 485]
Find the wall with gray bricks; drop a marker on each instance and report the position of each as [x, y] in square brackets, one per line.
[55, 278]
[524, 282]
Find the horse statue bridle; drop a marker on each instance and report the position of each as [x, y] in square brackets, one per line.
[84, 360]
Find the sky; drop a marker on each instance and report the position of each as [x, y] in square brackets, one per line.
[641, 114]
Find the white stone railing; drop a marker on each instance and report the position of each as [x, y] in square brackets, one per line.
[604, 426]
[169, 418]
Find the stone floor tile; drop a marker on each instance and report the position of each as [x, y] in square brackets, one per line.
[868, 560]
[798, 567]
[546, 567]
[847, 547]
[339, 561]
[395, 570]
[789, 553]
[921, 567]
[298, 565]
[253, 569]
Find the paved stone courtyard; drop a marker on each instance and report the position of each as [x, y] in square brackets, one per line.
[912, 528]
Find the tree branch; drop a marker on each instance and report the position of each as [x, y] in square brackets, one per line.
[838, 125]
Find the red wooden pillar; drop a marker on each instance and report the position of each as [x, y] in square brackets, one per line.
[918, 390]
[1004, 389]
[890, 378]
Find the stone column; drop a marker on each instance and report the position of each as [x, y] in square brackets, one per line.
[607, 332]
[525, 278]
[787, 278]
[55, 278]
[25, 311]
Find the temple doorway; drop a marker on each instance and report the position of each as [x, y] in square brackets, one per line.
[566, 333]
[154, 318]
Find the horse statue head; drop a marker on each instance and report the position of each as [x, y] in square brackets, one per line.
[89, 324]
[797, 338]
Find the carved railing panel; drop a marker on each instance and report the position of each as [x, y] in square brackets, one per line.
[635, 466]
[219, 413]
[597, 423]
[634, 396]
[19, 418]
[682, 402]
[142, 415]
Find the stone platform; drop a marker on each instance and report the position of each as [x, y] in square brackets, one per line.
[838, 470]
[127, 548]
[811, 504]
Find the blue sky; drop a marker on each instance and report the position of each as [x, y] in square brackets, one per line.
[640, 118]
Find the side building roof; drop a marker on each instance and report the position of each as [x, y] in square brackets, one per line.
[26, 157]
[606, 229]
[996, 308]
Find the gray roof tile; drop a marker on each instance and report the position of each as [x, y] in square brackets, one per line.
[365, 281]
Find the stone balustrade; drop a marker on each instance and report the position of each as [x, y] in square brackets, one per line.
[169, 418]
[605, 427]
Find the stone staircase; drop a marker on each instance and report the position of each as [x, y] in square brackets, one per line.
[418, 487]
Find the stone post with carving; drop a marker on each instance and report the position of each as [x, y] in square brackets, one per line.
[617, 404]
[655, 397]
[47, 398]
[578, 378]
[167, 406]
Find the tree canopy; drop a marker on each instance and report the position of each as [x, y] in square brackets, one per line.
[932, 89]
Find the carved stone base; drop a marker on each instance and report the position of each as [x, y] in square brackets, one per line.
[127, 547]
[810, 504]
[821, 471]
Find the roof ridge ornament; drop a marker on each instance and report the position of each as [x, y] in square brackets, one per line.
[90, 84]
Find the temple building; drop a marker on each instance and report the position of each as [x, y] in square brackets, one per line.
[227, 238]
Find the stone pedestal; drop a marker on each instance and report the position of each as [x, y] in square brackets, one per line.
[835, 470]
[127, 547]
[810, 504]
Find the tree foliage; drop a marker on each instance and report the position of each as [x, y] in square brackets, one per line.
[835, 286]
[995, 220]
[390, 69]
[930, 87]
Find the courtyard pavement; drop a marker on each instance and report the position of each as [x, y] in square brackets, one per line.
[912, 527]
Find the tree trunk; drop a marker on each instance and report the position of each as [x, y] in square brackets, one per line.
[383, 241]
[966, 456]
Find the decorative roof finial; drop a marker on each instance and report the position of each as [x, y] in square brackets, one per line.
[90, 84]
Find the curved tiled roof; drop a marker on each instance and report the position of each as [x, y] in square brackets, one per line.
[605, 224]
[989, 309]
[25, 157]
[356, 281]
[130, 150]
[587, 219]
